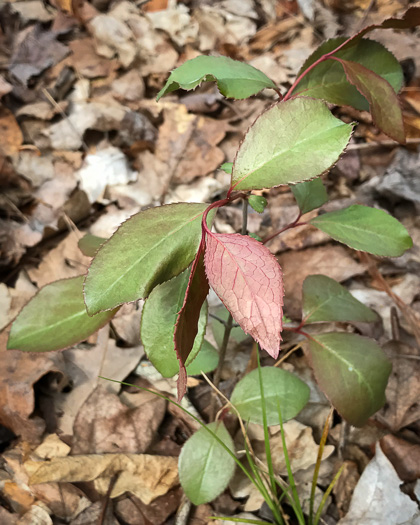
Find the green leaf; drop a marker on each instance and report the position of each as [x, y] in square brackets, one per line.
[310, 195]
[383, 101]
[279, 387]
[148, 249]
[206, 360]
[205, 467]
[55, 319]
[255, 236]
[326, 300]
[328, 80]
[352, 371]
[366, 229]
[218, 329]
[234, 79]
[227, 167]
[291, 142]
[257, 203]
[158, 324]
[89, 244]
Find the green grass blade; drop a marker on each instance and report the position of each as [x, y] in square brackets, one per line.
[294, 498]
[239, 520]
[318, 464]
[327, 493]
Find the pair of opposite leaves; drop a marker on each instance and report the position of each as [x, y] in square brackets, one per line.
[248, 280]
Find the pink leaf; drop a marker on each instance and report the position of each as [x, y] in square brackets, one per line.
[248, 279]
[186, 326]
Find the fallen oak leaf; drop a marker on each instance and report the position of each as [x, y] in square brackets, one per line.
[143, 475]
[248, 279]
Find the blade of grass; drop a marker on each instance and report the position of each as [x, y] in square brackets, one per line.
[266, 436]
[239, 520]
[318, 464]
[294, 498]
[327, 493]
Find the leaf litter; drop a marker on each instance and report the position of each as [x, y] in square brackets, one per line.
[84, 147]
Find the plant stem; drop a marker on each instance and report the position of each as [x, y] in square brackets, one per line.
[228, 324]
[293, 224]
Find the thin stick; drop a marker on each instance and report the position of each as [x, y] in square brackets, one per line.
[290, 352]
[65, 117]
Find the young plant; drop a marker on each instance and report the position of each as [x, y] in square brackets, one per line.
[170, 256]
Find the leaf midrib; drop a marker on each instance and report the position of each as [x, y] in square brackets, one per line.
[289, 150]
[34, 333]
[351, 365]
[123, 274]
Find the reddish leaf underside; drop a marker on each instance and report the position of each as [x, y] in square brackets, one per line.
[248, 279]
[383, 101]
[186, 326]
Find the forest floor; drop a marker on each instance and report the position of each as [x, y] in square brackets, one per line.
[84, 146]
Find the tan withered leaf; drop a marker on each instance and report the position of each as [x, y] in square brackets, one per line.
[403, 390]
[145, 476]
[106, 425]
[18, 373]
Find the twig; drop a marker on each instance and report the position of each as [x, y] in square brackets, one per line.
[102, 516]
[65, 117]
[384, 143]
[290, 352]
[183, 511]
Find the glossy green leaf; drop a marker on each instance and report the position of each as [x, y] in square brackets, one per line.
[256, 237]
[310, 194]
[366, 229]
[234, 79]
[148, 249]
[352, 371]
[279, 387]
[55, 319]
[205, 467]
[90, 244]
[218, 329]
[257, 203]
[326, 300]
[158, 324]
[227, 167]
[206, 360]
[383, 101]
[291, 142]
[328, 80]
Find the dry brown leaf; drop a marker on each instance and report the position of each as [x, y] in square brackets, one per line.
[188, 143]
[6, 518]
[147, 477]
[301, 448]
[345, 485]
[93, 514]
[105, 424]
[84, 366]
[330, 260]
[11, 135]
[404, 456]
[403, 390]
[38, 50]
[87, 62]
[18, 373]
[37, 515]
[132, 510]
[62, 262]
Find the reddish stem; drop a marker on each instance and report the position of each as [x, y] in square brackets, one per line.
[293, 224]
[218, 204]
[319, 61]
[297, 330]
